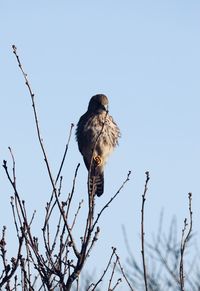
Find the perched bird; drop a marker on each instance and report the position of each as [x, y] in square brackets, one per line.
[97, 135]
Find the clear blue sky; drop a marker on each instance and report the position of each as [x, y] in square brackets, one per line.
[145, 56]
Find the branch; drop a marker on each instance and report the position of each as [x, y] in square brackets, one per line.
[65, 153]
[123, 273]
[35, 115]
[44, 151]
[112, 273]
[10, 271]
[104, 272]
[142, 230]
[111, 199]
[184, 241]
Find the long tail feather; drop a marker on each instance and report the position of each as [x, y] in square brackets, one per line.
[98, 186]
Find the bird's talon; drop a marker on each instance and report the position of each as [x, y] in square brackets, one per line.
[98, 160]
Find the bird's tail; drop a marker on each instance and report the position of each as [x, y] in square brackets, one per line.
[96, 184]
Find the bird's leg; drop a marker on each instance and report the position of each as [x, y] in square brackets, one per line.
[98, 160]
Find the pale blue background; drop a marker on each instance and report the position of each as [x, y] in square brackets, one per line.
[145, 55]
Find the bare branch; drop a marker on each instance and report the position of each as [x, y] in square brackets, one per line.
[112, 273]
[123, 273]
[111, 199]
[93, 286]
[44, 151]
[142, 230]
[184, 240]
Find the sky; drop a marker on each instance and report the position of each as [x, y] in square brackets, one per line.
[144, 55]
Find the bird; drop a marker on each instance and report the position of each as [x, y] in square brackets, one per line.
[97, 135]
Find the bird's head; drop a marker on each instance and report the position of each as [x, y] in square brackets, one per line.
[98, 103]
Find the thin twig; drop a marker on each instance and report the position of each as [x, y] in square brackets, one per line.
[111, 199]
[116, 284]
[95, 238]
[35, 116]
[13, 160]
[9, 271]
[65, 152]
[72, 191]
[93, 286]
[44, 151]
[49, 207]
[142, 230]
[184, 240]
[123, 273]
[112, 273]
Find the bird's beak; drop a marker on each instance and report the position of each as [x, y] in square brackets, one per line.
[106, 108]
